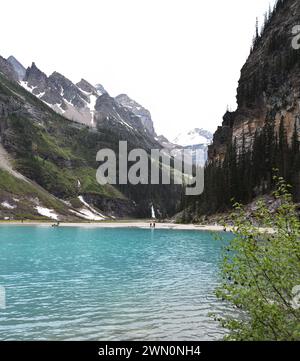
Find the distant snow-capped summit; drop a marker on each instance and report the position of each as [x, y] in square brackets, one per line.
[197, 140]
[193, 137]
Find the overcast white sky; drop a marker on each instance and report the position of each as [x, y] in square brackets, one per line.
[181, 59]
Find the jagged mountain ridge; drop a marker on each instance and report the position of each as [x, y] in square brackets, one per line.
[74, 101]
[59, 155]
[92, 105]
[80, 102]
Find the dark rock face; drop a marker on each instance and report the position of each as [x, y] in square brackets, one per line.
[59, 93]
[18, 67]
[68, 90]
[268, 87]
[36, 79]
[221, 139]
[261, 139]
[87, 87]
[7, 69]
[100, 89]
[55, 89]
[118, 208]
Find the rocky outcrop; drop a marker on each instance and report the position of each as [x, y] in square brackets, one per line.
[116, 208]
[100, 89]
[68, 91]
[36, 79]
[87, 87]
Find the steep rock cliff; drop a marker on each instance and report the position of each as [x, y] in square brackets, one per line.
[269, 86]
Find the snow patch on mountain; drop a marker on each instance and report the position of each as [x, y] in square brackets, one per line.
[90, 211]
[25, 86]
[91, 106]
[8, 205]
[46, 212]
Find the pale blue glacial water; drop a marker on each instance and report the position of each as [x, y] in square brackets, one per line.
[76, 283]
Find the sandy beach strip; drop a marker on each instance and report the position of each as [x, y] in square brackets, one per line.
[121, 224]
[132, 224]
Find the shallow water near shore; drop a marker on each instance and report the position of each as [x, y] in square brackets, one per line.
[78, 283]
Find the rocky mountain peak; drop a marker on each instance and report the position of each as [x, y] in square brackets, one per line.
[87, 87]
[7, 69]
[18, 67]
[68, 90]
[100, 89]
[35, 78]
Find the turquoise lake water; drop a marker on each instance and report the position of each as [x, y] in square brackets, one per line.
[108, 284]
